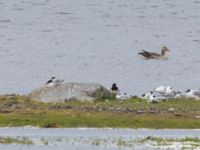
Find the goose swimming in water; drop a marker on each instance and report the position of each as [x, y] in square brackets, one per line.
[152, 55]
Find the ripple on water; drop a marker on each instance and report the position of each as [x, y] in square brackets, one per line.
[104, 36]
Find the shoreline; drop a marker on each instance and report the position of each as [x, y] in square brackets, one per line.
[19, 111]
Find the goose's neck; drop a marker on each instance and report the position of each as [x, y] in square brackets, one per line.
[163, 52]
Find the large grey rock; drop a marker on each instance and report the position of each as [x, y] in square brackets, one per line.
[70, 91]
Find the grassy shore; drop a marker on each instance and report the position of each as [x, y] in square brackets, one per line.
[133, 113]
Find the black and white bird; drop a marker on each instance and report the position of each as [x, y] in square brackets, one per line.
[178, 95]
[50, 82]
[114, 88]
[170, 92]
[147, 95]
[54, 82]
[167, 91]
[161, 89]
[156, 98]
[124, 96]
[193, 94]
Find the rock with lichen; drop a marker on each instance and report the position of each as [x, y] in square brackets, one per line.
[70, 92]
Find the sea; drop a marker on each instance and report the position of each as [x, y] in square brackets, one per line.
[98, 41]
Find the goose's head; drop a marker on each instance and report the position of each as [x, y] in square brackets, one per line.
[53, 78]
[165, 49]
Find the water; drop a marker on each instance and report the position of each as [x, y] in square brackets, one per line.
[94, 138]
[98, 41]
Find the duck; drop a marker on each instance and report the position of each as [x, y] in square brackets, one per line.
[152, 55]
[193, 94]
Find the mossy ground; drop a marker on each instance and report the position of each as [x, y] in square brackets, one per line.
[133, 113]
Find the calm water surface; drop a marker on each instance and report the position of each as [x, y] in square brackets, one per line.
[98, 41]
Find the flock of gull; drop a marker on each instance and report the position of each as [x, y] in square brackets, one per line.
[167, 92]
[161, 93]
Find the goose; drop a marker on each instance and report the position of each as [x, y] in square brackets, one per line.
[152, 55]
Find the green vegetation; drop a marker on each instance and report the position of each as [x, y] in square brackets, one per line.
[158, 140]
[16, 140]
[120, 142]
[133, 113]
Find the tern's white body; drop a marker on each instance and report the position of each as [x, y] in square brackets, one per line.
[122, 96]
[193, 94]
